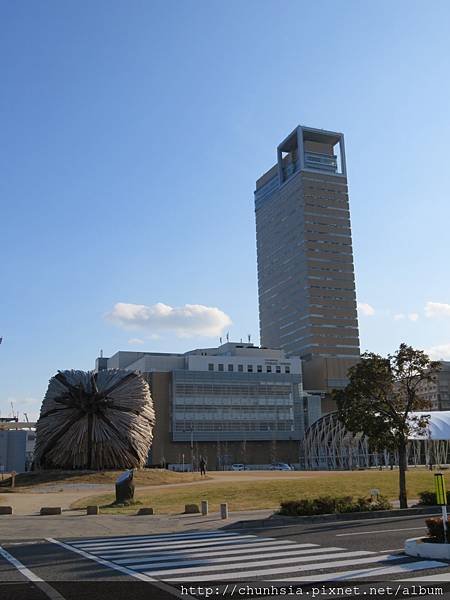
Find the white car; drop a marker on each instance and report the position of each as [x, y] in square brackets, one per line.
[238, 467]
[280, 467]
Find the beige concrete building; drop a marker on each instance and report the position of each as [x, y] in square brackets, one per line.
[306, 284]
[437, 391]
[237, 403]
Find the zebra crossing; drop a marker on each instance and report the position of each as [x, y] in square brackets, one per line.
[218, 556]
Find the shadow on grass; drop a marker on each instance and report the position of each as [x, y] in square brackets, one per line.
[32, 478]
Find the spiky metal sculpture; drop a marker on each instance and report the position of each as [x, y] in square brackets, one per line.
[94, 421]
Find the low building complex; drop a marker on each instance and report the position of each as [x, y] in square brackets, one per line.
[237, 403]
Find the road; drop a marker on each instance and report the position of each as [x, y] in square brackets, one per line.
[165, 564]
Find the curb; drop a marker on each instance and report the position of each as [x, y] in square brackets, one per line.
[357, 516]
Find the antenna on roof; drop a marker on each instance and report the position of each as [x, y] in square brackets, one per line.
[249, 338]
[220, 340]
[101, 353]
[228, 336]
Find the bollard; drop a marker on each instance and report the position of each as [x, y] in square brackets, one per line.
[224, 511]
[51, 510]
[204, 507]
[6, 510]
[92, 510]
[146, 510]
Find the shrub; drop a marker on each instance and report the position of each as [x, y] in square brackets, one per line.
[429, 498]
[381, 503]
[436, 529]
[324, 505]
[297, 507]
[346, 505]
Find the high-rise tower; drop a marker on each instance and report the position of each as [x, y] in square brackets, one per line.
[307, 299]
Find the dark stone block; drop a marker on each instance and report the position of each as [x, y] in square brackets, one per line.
[125, 488]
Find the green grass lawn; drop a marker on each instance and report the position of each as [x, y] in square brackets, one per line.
[248, 495]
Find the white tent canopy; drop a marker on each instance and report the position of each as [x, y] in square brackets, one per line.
[438, 427]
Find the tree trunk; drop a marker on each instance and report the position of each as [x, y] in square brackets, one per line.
[402, 474]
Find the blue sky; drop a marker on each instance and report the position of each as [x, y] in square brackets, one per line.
[132, 136]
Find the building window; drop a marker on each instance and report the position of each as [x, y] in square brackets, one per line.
[220, 367]
[210, 367]
[278, 369]
[259, 368]
[230, 368]
[240, 368]
[269, 368]
[250, 368]
[287, 369]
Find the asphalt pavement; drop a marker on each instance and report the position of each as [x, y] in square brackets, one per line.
[179, 564]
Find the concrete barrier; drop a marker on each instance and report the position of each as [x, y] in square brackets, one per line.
[51, 510]
[204, 505]
[224, 511]
[92, 510]
[146, 510]
[6, 510]
[422, 548]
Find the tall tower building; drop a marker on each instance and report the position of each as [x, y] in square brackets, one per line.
[306, 284]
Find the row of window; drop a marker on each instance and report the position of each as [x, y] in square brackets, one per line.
[217, 415]
[214, 402]
[232, 427]
[240, 368]
[258, 391]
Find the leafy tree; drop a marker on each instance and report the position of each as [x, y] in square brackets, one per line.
[380, 398]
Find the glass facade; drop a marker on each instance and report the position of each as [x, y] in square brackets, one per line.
[210, 406]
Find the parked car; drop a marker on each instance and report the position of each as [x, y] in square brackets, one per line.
[239, 467]
[280, 467]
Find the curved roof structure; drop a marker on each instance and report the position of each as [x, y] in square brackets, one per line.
[438, 426]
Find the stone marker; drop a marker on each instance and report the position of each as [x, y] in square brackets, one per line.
[6, 510]
[191, 509]
[146, 510]
[224, 510]
[51, 510]
[125, 487]
[92, 510]
[204, 507]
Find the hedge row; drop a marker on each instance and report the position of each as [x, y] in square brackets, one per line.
[325, 505]
[429, 498]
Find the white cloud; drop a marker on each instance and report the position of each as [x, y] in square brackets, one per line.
[185, 321]
[136, 342]
[440, 352]
[437, 309]
[411, 316]
[366, 309]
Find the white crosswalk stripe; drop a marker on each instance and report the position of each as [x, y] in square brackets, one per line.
[217, 556]
[279, 551]
[377, 572]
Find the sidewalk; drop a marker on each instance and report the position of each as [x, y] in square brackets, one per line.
[72, 524]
